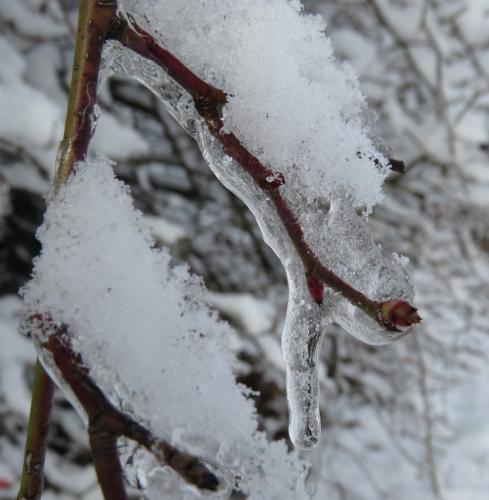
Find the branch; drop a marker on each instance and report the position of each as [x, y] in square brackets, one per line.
[95, 19]
[36, 441]
[106, 423]
[209, 101]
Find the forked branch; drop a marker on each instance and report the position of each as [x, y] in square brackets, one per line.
[106, 423]
[209, 100]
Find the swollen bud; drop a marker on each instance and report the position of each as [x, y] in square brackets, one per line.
[398, 313]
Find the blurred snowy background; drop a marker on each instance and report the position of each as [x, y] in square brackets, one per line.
[410, 420]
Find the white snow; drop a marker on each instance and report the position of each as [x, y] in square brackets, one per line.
[145, 331]
[29, 21]
[12, 64]
[473, 21]
[12, 360]
[27, 116]
[291, 103]
[254, 315]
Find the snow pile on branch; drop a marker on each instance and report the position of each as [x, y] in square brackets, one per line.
[290, 102]
[143, 328]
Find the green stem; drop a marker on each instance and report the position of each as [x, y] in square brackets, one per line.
[94, 22]
[35, 445]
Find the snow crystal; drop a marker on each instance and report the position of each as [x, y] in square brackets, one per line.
[290, 102]
[143, 328]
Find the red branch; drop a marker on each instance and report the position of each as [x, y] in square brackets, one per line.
[209, 101]
[106, 423]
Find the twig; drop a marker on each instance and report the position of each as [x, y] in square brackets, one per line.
[106, 424]
[65, 13]
[209, 101]
[428, 420]
[36, 440]
[94, 22]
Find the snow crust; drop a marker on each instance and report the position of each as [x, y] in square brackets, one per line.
[150, 341]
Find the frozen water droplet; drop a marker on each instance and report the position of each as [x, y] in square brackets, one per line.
[302, 335]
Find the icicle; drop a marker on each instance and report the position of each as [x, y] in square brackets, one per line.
[301, 340]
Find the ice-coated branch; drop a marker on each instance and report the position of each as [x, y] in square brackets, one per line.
[106, 423]
[209, 100]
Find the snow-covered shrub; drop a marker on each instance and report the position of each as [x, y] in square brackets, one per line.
[373, 407]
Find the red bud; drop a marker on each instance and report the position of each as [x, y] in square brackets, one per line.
[399, 313]
[316, 289]
[4, 484]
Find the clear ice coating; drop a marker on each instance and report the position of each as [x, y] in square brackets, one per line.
[301, 341]
[333, 229]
